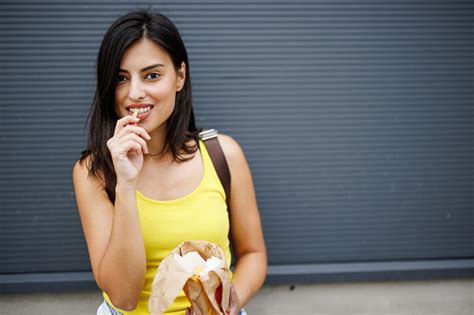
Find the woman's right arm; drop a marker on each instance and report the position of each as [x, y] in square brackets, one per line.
[113, 233]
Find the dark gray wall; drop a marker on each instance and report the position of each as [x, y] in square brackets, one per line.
[356, 117]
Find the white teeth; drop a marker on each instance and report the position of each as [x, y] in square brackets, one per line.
[140, 110]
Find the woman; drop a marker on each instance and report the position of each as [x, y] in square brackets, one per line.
[146, 183]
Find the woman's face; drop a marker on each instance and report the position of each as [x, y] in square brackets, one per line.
[147, 83]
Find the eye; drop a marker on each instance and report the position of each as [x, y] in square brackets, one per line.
[153, 76]
[121, 78]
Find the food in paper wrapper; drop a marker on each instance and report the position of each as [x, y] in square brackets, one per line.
[199, 268]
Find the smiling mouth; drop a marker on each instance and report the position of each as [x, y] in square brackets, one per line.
[140, 110]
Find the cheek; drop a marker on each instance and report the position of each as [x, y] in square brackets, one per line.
[164, 94]
[120, 92]
[163, 90]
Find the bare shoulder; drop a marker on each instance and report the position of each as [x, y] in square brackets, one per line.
[81, 178]
[80, 170]
[232, 150]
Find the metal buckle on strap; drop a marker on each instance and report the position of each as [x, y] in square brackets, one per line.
[208, 134]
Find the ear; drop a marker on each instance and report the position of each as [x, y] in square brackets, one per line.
[181, 77]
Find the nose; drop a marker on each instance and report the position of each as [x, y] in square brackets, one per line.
[137, 90]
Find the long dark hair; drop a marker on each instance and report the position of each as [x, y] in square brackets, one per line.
[180, 126]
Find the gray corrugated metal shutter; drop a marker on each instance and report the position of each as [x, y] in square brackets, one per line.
[356, 117]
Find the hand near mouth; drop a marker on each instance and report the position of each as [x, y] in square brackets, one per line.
[127, 147]
[135, 115]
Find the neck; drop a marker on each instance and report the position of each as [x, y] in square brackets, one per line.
[156, 144]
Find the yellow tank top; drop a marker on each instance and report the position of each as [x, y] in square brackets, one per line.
[201, 215]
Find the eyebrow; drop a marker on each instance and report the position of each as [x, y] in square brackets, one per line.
[156, 65]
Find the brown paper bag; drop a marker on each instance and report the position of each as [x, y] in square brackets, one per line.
[199, 286]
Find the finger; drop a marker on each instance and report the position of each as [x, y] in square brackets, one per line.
[133, 137]
[125, 121]
[131, 147]
[142, 144]
[134, 129]
[234, 301]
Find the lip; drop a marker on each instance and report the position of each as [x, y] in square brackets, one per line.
[140, 116]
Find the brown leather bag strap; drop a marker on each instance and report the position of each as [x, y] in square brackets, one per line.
[209, 137]
[217, 156]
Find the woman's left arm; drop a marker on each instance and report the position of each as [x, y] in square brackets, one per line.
[246, 229]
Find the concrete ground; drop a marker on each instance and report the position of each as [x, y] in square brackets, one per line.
[453, 297]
